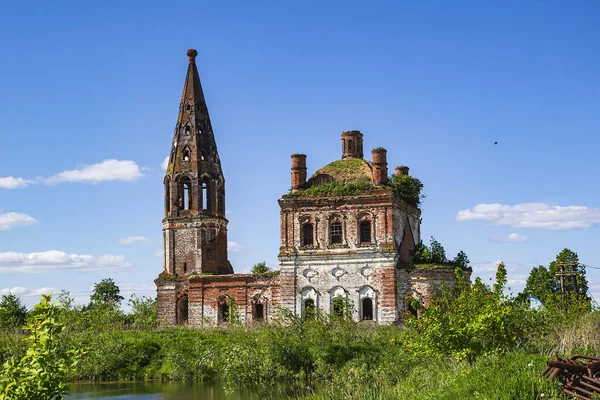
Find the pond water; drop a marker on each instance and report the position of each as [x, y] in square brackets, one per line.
[155, 391]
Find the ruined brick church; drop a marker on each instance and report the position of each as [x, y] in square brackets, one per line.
[353, 245]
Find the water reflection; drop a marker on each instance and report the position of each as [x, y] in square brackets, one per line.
[155, 391]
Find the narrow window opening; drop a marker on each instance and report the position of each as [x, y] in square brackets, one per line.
[205, 195]
[410, 307]
[350, 145]
[184, 267]
[187, 107]
[365, 232]
[223, 310]
[259, 312]
[307, 234]
[182, 310]
[186, 155]
[309, 308]
[335, 233]
[202, 155]
[367, 309]
[338, 306]
[187, 130]
[187, 195]
[167, 197]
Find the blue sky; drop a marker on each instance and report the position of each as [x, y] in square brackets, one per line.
[89, 100]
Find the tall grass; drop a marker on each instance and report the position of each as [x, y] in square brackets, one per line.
[323, 358]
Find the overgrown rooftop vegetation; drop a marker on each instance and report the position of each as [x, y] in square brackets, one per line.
[353, 177]
[434, 256]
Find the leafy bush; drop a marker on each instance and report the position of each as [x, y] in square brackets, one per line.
[436, 255]
[42, 372]
[408, 189]
[468, 320]
[260, 268]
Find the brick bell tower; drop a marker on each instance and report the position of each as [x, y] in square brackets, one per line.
[194, 227]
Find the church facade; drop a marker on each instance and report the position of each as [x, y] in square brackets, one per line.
[345, 234]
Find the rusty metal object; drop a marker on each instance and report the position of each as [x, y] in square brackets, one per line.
[579, 375]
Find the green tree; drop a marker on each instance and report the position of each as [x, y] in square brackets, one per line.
[544, 283]
[260, 268]
[143, 312]
[41, 374]
[438, 253]
[106, 293]
[408, 189]
[461, 260]
[12, 313]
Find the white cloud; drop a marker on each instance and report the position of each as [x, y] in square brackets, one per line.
[107, 170]
[234, 247]
[24, 292]
[134, 239]
[12, 219]
[533, 215]
[10, 182]
[54, 260]
[513, 237]
[165, 163]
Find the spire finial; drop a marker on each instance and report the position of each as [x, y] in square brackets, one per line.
[192, 53]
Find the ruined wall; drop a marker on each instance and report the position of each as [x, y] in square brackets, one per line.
[423, 283]
[206, 293]
[167, 293]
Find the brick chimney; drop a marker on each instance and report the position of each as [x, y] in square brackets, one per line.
[298, 171]
[402, 170]
[352, 144]
[379, 166]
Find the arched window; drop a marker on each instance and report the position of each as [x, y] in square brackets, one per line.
[182, 310]
[365, 231]
[205, 198]
[258, 309]
[202, 155]
[367, 309]
[186, 198]
[335, 232]
[259, 312]
[307, 234]
[223, 315]
[186, 154]
[167, 196]
[338, 305]
[309, 308]
[187, 130]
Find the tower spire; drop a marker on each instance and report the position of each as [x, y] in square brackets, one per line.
[192, 98]
[194, 188]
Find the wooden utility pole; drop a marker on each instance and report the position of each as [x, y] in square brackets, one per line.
[571, 272]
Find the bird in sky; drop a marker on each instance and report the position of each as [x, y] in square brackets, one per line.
[495, 142]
